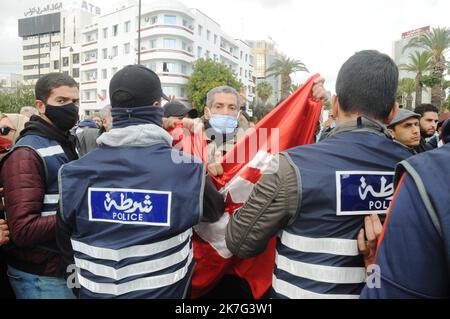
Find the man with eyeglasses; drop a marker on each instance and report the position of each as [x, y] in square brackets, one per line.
[7, 132]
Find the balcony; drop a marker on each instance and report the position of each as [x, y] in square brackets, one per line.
[167, 54]
[170, 30]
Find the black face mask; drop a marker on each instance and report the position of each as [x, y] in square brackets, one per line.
[63, 117]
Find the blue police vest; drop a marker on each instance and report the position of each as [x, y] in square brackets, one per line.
[430, 172]
[340, 179]
[53, 157]
[133, 210]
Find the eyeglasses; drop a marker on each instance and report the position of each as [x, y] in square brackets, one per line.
[5, 130]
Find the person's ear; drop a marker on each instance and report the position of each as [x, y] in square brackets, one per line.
[335, 107]
[393, 113]
[40, 106]
[392, 132]
[207, 113]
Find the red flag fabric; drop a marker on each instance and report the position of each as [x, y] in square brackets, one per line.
[194, 144]
[292, 123]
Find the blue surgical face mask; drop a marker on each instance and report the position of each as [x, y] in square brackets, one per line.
[225, 124]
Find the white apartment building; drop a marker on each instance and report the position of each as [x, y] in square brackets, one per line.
[51, 36]
[173, 37]
[401, 57]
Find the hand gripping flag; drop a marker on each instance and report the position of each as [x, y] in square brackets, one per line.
[292, 123]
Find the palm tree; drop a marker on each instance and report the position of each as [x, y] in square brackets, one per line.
[284, 67]
[406, 88]
[264, 90]
[437, 43]
[295, 87]
[419, 64]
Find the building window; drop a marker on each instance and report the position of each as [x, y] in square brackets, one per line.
[184, 68]
[76, 58]
[66, 61]
[56, 65]
[152, 44]
[152, 20]
[200, 29]
[207, 55]
[215, 39]
[151, 66]
[127, 26]
[169, 43]
[242, 55]
[246, 58]
[240, 72]
[168, 67]
[126, 48]
[208, 35]
[104, 74]
[182, 91]
[199, 52]
[115, 51]
[170, 19]
[105, 54]
[76, 73]
[105, 33]
[115, 31]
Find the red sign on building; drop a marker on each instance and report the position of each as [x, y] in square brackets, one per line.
[415, 33]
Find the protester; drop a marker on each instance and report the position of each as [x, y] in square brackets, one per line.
[413, 256]
[7, 133]
[405, 128]
[128, 207]
[97, 119]
[318, 221]
[105, 115]
[428, 125]
[32, 165]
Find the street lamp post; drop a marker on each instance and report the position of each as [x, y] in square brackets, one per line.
[139, 32]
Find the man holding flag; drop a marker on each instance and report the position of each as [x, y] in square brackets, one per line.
[291, 124]
[316, 196]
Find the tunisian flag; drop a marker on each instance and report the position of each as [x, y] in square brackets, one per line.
[292, 123]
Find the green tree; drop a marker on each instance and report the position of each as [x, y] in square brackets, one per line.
[406, 89]
[284, 67]
[264, 91]
[208, 75]
[12, 102]
[295, 87]
[437, 43]
[419, 64]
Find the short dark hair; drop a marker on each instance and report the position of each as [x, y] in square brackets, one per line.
[367, 83]
[424, 108]
[48, 82]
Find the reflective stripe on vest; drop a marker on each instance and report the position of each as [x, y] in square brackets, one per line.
[147, 283]
[328, 274]
[293, 292]
[133, 251]
[333, 246]
[50, 151]
[135, 269]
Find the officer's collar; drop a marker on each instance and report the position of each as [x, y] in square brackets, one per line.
[362, 124]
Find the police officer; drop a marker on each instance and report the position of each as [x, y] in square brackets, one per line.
[128, 207]
[317, 199]
[414, 254]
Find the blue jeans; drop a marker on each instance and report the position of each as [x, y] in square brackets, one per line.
[29, 286]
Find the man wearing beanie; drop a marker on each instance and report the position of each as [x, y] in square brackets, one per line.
[127, 208]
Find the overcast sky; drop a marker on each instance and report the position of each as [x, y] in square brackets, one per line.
[320, 33]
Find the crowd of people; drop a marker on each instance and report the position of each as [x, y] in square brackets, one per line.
[104, 194]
